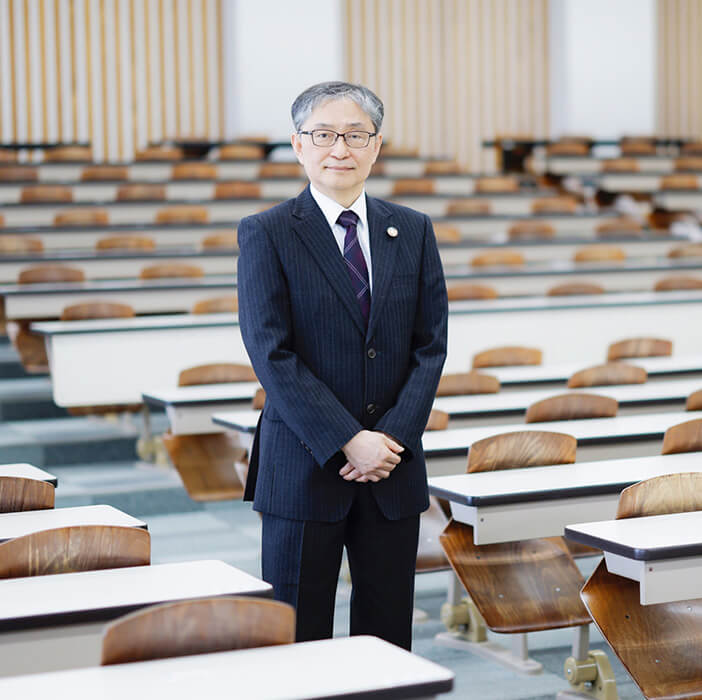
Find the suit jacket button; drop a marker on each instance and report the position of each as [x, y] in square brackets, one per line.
[372, 353]
[370, 408]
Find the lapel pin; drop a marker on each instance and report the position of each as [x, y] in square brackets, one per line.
[392, 232]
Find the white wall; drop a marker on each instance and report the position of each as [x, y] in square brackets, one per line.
[603, 68]
[277, 48]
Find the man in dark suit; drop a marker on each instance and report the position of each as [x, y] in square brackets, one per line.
[343, 310]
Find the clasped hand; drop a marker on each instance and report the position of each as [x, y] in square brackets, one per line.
[371, 456]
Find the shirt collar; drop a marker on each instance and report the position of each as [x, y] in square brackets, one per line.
[331, 209]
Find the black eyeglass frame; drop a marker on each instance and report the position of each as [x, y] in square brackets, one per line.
[337, 134]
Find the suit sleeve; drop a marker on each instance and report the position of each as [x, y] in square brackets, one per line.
[406, 420]
[306, 405]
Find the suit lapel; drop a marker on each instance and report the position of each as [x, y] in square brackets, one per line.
[312, 228]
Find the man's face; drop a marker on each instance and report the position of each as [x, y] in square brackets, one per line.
[337, 171]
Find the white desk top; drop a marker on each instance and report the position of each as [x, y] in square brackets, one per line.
[208, 394]
[346, 667]
[18, 524]
[27, 471]
[649, 538]
[483, 489]
[59, 599]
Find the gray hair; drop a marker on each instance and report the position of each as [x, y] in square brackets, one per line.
[306, 102]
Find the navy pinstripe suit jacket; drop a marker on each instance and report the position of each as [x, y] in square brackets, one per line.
[305, 335]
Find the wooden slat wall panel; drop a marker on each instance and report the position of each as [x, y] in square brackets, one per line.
[112, 72]
[453, 72]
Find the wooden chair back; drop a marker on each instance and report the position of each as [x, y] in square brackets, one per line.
[683, 437]
[241, 151]
[600, 253]
[690, 250]
[688, 164]
[467, 383]
[98, 173]
[679, 181]
[46, 193]
[608, 374]
[527, 230]
[491, 258]
[8, 155]
[217, 305]
[507, 356]
[677, 282]
[574, 289]
[567, 148]
[554, 205]
[669, 493]
[395, 150]
[68, 154]
[572, 406]
[259, 399]
[182, 214]
[194, 171]
[198, 626]
[160, 153]
[238, 189]
[96, 309]
[141, 192]
[620, 226]
[126, 242]
[694, 401]
[621, 165]
[165, 270]
[282, 170]
[637, 148]
[468, 207]
[414, 185]
[468, 290]
[219, 373]
[82, 217]
[438, 420]
[640, 347]
[70, 549]
[443, 167]
[18, 494]
[10, 244]
[39, 274]
[694, 147]
[497, 183]
[445, 233]
[18, 173]
[221, 239]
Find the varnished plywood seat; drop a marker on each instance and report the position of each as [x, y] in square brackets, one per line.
[237, 190]
[640, 347]
[497, 257]
[198, 626]
[166, 270]
[621, 165]
[40, 274]
[467, 290]
[572, 407]
[608, 374]
[217, 305]
[70, 549]
[526, 230]
[97, 173]
[679, 182]
[194, 171]
[18, 494]
[438, 420]
[507, 356]
[497, 183]
[162, 153]
[690, 250]
[217, 373]
[467, 383]
[443, 167]
[68, 154]
[141, 192]
[600, 253]
[82, 217]
[274, 170]
[222, 239]
[677, 282]
[694, 401]
[688, 164]
[415, 185]
[683, 437]
[18, 173]
[615, 227]
[126, 242]
[445, 233]
[241, 151]
[96, 309]
[574, 289]
[182, 214]
[468, 207]
[554, 205]
[10, 244]
[46, 193]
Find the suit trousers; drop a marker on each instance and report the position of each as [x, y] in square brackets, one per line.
[301, 560]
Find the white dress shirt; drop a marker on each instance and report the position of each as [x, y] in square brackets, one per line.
[331, 211]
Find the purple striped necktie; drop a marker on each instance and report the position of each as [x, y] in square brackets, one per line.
[355, 262]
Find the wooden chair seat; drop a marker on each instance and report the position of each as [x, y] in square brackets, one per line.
[497, 183]
[694, 401]
[96, 309]
[162, 153]
[522, 230]
[430, 555]
[491, 258]
[198, 626]
[468, 290]
[46, 193]
[217, 373]
[621, 165]
[554, 205]
[126, 242]
[683, 437]
[438, 420]
[677, 282]
[259, 399]
[18, 494]
[507, 356]
[468, 207]
[638, 148]
[600, 253]
[104, 172]
[8, 155]
[567, 148]
[194, 171]
[217, 305]
[39, 274]
[521, 448]
[414, 185]
[237, 190]
[574, 289]
[679, 182]
[467, 383]
[241, 151]
[182, 214]
[443, 167]
[572, 407]
[68, 154]
[608, 374]
[690, 250]
[273, 170]
[445, 233]
[10, 244]
[165, 270]
[82, 217]
[621, 226]
[18, 173]
[640, 347]
[688, 164]
[137, 192]
[70, 549]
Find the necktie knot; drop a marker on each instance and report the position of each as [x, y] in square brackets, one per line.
[348, 218]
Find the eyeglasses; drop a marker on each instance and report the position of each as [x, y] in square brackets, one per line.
[326, 138]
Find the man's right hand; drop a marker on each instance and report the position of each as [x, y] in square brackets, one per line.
[371, 456]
